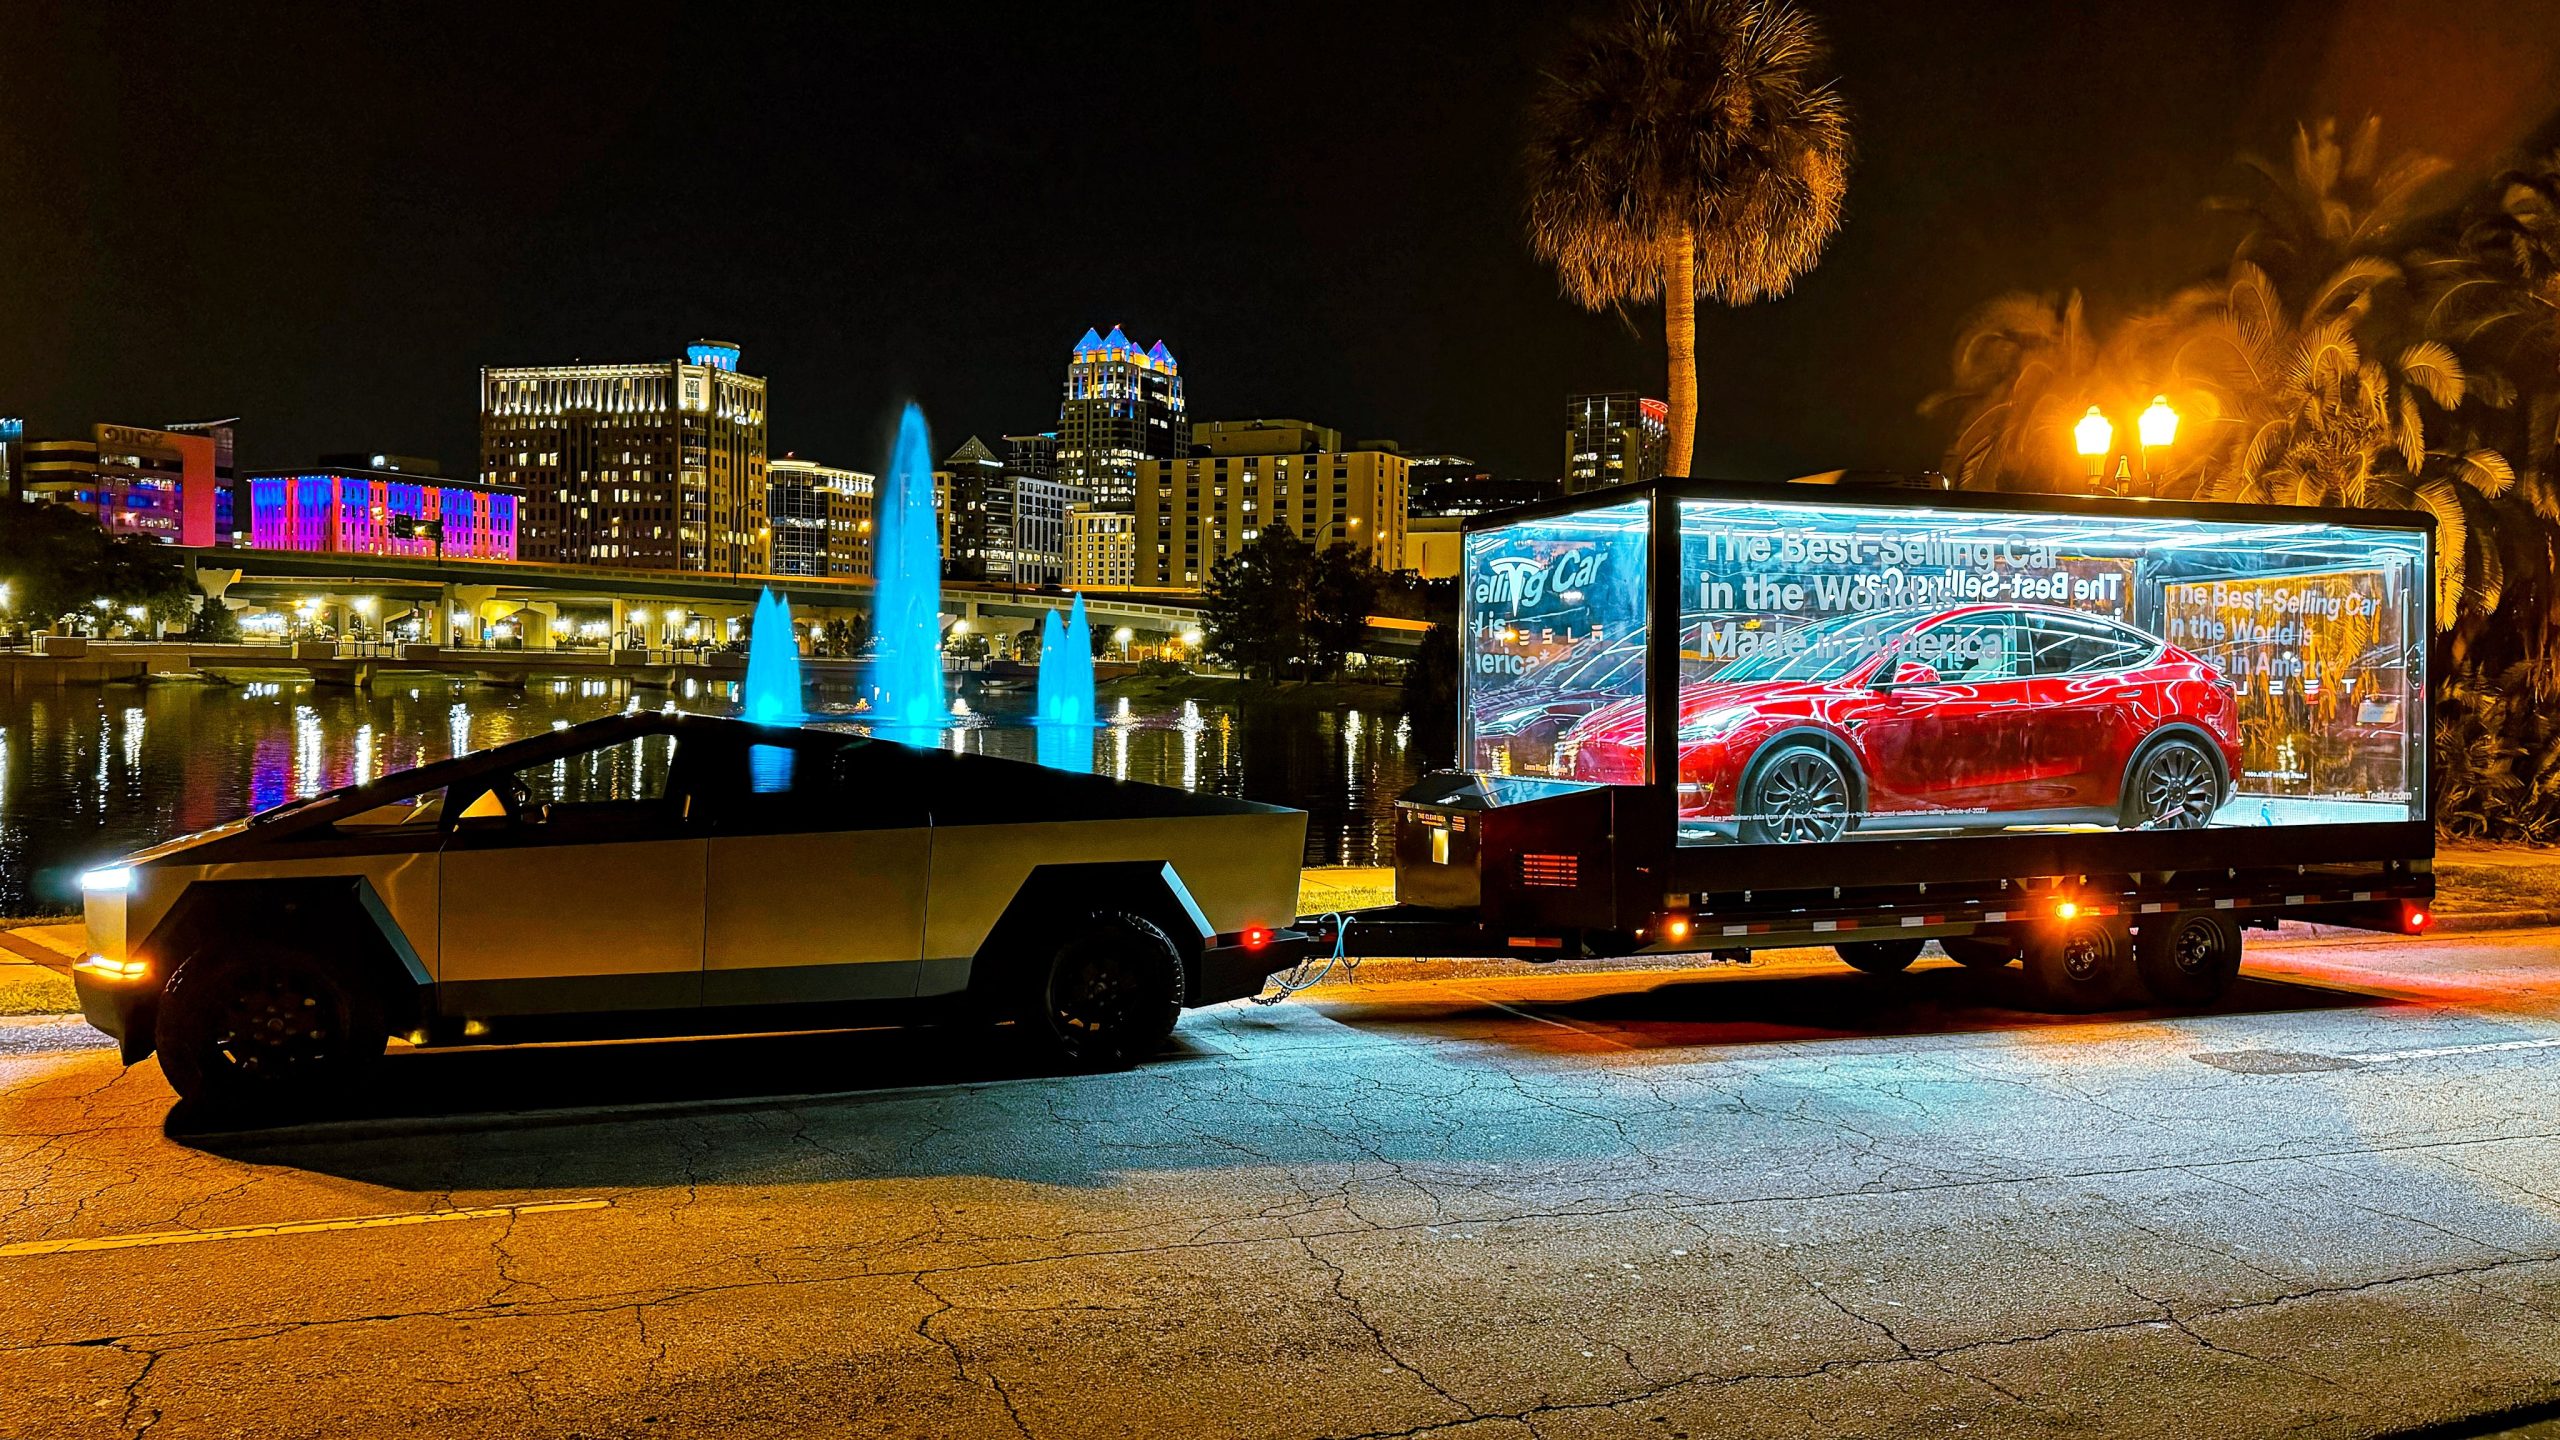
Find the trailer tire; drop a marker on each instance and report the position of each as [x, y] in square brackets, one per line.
[1880, 957]
[2076, 966]
[1979, 952]
[1799, 793]
[2189, 957]
[1108, 996]
[267, 1032]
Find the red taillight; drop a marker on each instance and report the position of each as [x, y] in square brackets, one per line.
[2414, 918]
[1255, 937]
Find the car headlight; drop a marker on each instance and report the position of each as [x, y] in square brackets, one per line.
[1714, 723]
[114, 880]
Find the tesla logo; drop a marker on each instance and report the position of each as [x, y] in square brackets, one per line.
[1522, 583]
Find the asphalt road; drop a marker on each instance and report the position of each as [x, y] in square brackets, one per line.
[1789, 1201]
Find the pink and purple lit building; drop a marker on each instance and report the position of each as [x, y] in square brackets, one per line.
[338, 511]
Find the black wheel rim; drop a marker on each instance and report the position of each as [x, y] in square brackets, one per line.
[2084, 956]
[1092, 999]
[2177, 789]
[2196, 950]
[271, 1026]
[1804, 797]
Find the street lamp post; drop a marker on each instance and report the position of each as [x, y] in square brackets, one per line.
[2156, 428]
[2095, 438]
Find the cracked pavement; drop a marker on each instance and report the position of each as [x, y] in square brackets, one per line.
[1780, 1201]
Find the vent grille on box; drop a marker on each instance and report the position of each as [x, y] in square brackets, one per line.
[1551, 872]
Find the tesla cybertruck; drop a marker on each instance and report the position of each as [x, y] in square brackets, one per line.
[663, 874]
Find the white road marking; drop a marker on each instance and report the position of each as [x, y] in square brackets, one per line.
[2432, 1051]
[293, 1227]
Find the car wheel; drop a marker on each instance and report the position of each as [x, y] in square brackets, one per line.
[1880, 957]
[2188, 958]
[2079, 965]
[267, 1032]
[1799, 795]
[2174, 786]
[1978, 952]
[1110, 995]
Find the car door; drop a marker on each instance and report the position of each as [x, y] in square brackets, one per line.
[1950, 744]
[2080, 732]
[819, 857]
[575, 884]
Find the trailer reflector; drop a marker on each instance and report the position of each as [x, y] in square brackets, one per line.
[1551, 872]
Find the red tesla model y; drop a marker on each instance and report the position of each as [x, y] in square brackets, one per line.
[1979, 716]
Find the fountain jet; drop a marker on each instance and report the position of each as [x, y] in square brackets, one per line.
[771, 694]
[1065, 715]
[908, 702]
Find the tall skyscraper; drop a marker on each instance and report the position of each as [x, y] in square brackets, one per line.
[653, 465]
[1032, 455]
[967, 484]
[1612, 438]
[1124, 405]
[1244, 477]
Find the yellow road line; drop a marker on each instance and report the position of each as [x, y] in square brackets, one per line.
[293, 1227]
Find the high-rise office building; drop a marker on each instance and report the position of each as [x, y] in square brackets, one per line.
[137, 481]
[230, 511]
[821, 518]
[1123, 406]
[1244, 477]
[1027, 530]
[1032, 455]
[1613, 438]
[653, 465]
[1102, 549]
[967, 486]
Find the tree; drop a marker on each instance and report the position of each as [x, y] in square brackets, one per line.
[1280, 607]
[57, 561]
[1686, 149]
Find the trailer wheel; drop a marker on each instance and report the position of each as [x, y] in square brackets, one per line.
[2188, 958]
[2076, 966]
[1109, 996]
[1880, 957]
[1978, 952]
[1797, 795]
[2174, 786]
[267, 1032]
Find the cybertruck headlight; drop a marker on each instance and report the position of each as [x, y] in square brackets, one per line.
[113, 880]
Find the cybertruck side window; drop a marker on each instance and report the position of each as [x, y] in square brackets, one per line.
[421, 814]
[808, 784]
[630, 785]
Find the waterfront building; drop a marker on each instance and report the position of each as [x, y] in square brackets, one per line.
[1612, 438]
[158, 484]
[966, 490]
[230, 516]
[344, 511]
[1032, 455]
[13, 442]
[1027, 530]
[1243, 477]
[821, 518]
[1432, 545]
[650, 465]
[1102, 549]
[1123, 406]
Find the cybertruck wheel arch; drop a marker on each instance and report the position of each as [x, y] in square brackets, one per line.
[1053, 897]
[339, 918]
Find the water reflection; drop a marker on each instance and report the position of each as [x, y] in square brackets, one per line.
[88, 773]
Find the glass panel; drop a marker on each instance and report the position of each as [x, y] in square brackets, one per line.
[1554, 613]
[1856, 672]
[627, 771]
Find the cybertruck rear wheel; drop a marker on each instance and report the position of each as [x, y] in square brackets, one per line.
[1109, 996]
[266, 1033]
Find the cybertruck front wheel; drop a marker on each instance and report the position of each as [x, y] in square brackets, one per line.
[266, 1033]
[1109, 995]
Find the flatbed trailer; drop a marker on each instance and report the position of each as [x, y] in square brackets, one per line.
[2100, 738]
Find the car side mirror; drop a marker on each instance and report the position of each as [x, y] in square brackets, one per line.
[1912, 672]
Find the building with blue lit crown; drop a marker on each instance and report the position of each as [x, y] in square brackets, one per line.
[1123, 407]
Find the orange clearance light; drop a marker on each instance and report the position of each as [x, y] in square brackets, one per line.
[1678, 929]
[2065, 909]
[1255, 937]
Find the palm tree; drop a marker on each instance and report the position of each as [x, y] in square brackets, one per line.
[2023, 369]
[1688, 148]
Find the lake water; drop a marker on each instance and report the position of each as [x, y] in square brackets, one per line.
[87, 773]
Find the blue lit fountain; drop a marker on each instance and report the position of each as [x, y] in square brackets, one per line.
[772, 691]
[907, 699]
[1065, 715]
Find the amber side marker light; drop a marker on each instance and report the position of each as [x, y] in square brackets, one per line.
[2065, 909]
[1678, 928]
[106, 969]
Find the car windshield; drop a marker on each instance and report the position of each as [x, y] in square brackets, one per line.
[1826, 651]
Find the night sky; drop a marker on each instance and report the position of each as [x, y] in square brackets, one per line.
[326, 217]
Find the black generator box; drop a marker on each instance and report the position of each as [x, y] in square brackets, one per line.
[1532, 856]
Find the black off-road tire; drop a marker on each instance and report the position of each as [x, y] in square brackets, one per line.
[1979, 952]
[1108, 996]
[2175, 784]
[1880, 957]
[1798, 794]
[2076, 966]
[2188, 957]
[259, 1032]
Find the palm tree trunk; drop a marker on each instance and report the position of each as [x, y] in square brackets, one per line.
[1680, 330]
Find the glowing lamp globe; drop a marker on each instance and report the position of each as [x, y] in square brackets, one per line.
[2094, 436]
[2159, 424]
